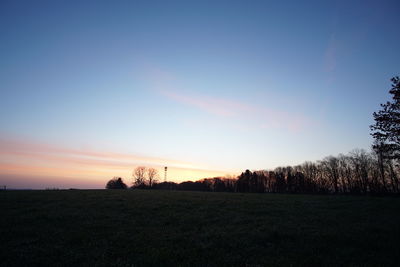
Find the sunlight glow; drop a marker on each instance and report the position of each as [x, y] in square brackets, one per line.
[30, 161]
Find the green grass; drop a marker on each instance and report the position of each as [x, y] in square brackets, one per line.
[159, 228]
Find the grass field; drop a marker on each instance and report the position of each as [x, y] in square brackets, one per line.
[159, 228]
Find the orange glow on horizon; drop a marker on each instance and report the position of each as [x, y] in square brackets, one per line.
[54, 166]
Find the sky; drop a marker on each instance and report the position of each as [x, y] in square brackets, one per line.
[93, 89]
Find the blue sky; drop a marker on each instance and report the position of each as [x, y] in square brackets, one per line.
[224, 85]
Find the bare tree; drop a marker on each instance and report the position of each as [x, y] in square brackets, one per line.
[345, 173]
[138, 176]
[152, 176]
[331, 166]
[360, 161]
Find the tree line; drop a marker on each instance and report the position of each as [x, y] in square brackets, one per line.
[358, 172]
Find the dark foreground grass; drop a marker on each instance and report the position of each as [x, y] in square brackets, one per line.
[159, 228]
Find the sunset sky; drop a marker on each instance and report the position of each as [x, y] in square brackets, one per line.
[92, 89]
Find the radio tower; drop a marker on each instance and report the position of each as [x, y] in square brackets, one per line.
[165, 174]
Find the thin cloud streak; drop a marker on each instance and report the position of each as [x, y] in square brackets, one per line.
[330, 58]
[330, 54]
[165, 84]
[211, 105]
[22, 148]
[265, 117]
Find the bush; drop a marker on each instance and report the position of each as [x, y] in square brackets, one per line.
[116, 183]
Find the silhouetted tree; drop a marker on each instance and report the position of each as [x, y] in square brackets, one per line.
[386, 132]
[166, 186]
[331, 167]
[358, 172]
[152, 176]
[193, 186]
[116, 183]
[243, 182]
[280, 182]
[139, 179]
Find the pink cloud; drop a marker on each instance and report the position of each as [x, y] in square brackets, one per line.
[167, 84]
[264, 117]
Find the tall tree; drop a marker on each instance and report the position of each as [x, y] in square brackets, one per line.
[152, 176]
[331, 166]
[386, 130]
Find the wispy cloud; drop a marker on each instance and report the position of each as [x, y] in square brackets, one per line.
[22, 148]
[167, 85]
[330, 57]
[211, 105]
[262, 117]
[330, 54]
